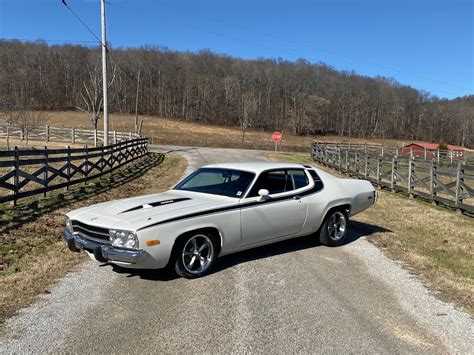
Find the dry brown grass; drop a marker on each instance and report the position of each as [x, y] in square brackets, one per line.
[32, 253]
[175, 132]
[36, 144]
[434, 243]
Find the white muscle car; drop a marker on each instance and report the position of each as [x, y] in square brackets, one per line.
[219, 209]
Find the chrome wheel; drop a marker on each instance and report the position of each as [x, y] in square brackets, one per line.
[337, 226]
[198, 254]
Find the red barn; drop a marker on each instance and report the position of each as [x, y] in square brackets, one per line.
[429, 150]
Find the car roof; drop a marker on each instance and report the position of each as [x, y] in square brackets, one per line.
[256, 167]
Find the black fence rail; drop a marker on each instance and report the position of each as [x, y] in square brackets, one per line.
[448, 182]
[29, 172]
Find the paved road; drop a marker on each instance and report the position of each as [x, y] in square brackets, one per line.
[288, 297]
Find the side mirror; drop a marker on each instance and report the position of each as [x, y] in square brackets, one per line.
[263, 193]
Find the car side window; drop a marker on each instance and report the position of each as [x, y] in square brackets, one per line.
[275, 181]
[318, 184]
[300, 178]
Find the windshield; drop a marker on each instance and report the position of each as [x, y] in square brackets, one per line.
[217, 181]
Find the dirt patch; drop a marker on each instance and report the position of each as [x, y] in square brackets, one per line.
[32, 253]
[434, 243]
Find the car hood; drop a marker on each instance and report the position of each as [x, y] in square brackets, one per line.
[136, 212]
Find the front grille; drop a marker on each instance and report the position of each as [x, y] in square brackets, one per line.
[91, 232]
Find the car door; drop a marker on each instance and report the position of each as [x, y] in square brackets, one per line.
[282, 213]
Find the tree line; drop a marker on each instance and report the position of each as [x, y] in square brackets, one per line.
[271, 94]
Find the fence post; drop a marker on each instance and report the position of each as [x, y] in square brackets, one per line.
[379, 159]
[16, 178]
[111, 158]
[392, 177]
[68, 167]
[86, 165]
[115, 137]
[431, 180]
[434, 167]
[365, 149]
[366, 168]
[102, 162]
[356, 162]
[45, 171]
[410, 172]
[73, 135]
[425, 153]
[130, 135]
[437, 154]
[46, 133]
[459, 171]
[347, 160]
[382, 151]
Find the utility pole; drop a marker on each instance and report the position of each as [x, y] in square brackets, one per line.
[136, 103]
[104, 75]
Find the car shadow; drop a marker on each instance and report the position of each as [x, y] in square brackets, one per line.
[357, 230]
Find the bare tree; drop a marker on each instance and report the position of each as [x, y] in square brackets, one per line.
[91, 93]
[10, 116]
[29, 120]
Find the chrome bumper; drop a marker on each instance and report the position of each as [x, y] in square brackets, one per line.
[103, 252]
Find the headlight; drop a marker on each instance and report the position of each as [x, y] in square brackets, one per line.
[123, 239]
[69, 225]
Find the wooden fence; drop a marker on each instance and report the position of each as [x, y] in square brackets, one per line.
[439, 178]
[63, 134]
[29, 172]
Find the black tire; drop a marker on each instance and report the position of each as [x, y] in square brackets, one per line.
[334, 230]
[195, 255]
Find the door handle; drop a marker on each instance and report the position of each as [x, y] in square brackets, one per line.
[296, 197]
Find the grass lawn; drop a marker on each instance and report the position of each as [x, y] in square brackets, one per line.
[434, 243]
[33, 254]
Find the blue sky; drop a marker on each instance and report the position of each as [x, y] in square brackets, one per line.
[427, 44]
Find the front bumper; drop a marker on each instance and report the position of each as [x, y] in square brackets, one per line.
[103, 252]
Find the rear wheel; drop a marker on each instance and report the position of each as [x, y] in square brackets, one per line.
[334, 229]
[196, 255]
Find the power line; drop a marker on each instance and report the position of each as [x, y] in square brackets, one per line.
[98, 40]
[83, 23]
[348, 57]
[48, 40]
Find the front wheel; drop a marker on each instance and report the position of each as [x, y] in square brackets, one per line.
[334, 229]
[196, 256]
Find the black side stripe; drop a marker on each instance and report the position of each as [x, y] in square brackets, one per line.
[316, 188]
[155, 204]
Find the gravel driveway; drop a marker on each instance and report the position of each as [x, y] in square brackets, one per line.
[287, 297]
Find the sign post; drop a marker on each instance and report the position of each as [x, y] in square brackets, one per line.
[276, 136]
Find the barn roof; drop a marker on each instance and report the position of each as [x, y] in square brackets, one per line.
[433, 146]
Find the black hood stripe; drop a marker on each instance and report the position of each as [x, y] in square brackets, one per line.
[156, 204]
[315, 189]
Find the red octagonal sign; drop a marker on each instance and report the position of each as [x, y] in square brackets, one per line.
[276, 136]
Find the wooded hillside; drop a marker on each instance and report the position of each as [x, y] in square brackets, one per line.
[298, 97]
